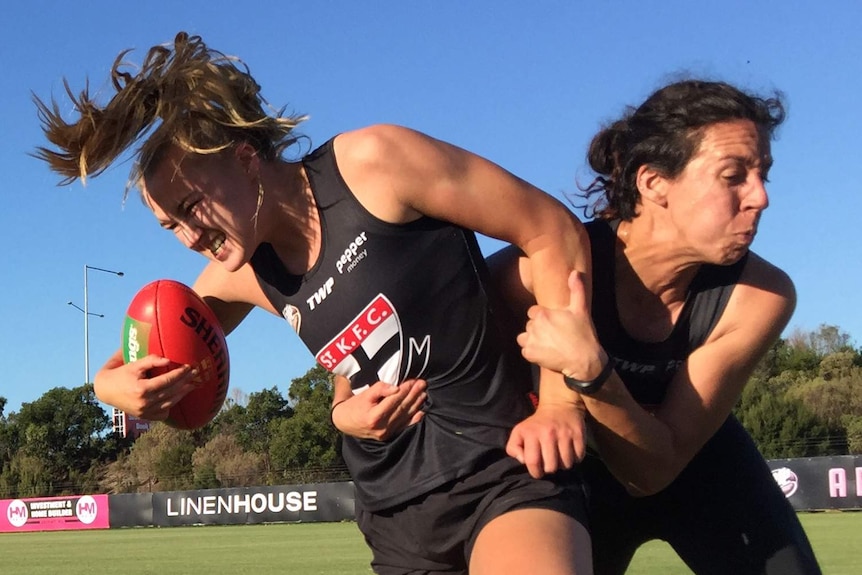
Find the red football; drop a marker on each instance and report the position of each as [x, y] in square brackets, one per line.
[169, 319]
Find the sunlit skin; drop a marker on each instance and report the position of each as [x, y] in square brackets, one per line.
[713, 207]
[211, 203]
[709, 213]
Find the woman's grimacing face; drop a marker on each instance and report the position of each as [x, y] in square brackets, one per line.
[208, 201]
[716, 202]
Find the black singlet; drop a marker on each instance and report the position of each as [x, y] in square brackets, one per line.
[724, 513]
[390, 302]
[648, 367]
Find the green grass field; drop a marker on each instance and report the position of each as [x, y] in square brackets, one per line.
[310, 549]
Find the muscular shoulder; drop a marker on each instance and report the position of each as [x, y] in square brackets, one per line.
[763, 275]
[384, 165]
[371, 143]
[762, 301]
[380, 147]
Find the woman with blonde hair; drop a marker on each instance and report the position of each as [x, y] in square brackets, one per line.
[367, 246]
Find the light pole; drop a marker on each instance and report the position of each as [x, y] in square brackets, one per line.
[117, 414]
[86, 338]
[87, 314]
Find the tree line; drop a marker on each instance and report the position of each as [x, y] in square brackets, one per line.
[804, 400]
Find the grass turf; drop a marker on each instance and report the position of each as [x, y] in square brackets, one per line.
[311, 549]
[834, 536]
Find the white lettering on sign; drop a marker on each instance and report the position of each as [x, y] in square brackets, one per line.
[291, 501]
[837, 478]
[837, 482]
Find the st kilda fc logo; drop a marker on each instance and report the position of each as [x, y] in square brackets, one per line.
[371, 349]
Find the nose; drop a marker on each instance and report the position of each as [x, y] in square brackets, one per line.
[757, 198]
[189, 234]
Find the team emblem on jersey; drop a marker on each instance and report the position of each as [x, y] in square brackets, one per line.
[370, 348]
[293, 316]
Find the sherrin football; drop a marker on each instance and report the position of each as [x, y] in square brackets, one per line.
[167, 318]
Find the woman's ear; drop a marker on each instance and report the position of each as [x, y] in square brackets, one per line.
[652, 185]
[247, 156]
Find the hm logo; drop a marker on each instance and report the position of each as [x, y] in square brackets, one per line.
[16, 513]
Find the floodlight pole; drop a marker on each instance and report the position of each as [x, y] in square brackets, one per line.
[87, 314]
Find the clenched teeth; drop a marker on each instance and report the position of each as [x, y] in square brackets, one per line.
[216, 245]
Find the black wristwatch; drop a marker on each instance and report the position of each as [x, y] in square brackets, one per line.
[592, 386]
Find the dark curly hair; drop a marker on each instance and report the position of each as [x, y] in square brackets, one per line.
[665, 132]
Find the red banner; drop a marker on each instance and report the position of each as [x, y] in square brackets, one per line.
[54, 513]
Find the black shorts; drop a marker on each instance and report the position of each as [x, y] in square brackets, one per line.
[435, 534]
[723, 514]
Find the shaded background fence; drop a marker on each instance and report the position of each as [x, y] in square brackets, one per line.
[816, 483]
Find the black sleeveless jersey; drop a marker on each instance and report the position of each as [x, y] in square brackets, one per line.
[391, 302]
[647, 368]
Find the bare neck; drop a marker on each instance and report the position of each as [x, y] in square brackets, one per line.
[653, 273]
[289, 219]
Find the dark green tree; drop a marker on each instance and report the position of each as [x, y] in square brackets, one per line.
[783, 427]
[9, 443]
[263, 407]
[159, 460]
[307, 444]
[28, 476]
[173, 466]
[853, 426]
[67, 431]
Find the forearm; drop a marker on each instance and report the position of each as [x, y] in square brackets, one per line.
[549, 268]
[341, 390]
[637, 447]
[552, 256]
[229, 314]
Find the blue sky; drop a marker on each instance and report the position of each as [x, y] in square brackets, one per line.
[525, 84]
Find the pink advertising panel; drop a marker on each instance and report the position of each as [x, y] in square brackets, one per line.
[54, 513]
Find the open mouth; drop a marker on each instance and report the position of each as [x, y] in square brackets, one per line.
[217, 244]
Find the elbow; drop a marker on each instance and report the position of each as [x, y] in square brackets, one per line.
[652, 482]
[646, 489]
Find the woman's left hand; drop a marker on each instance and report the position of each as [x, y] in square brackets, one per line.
[563, 340]
[552, 439]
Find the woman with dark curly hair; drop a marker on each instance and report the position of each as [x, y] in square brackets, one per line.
[682, 311]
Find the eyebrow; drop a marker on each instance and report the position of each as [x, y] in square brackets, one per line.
[764, 161]
[166, 224]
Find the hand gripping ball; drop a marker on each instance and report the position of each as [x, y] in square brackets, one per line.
[167, 318]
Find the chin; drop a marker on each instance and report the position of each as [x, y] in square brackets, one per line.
[732, 256]
[231, 261]
[231, 265]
